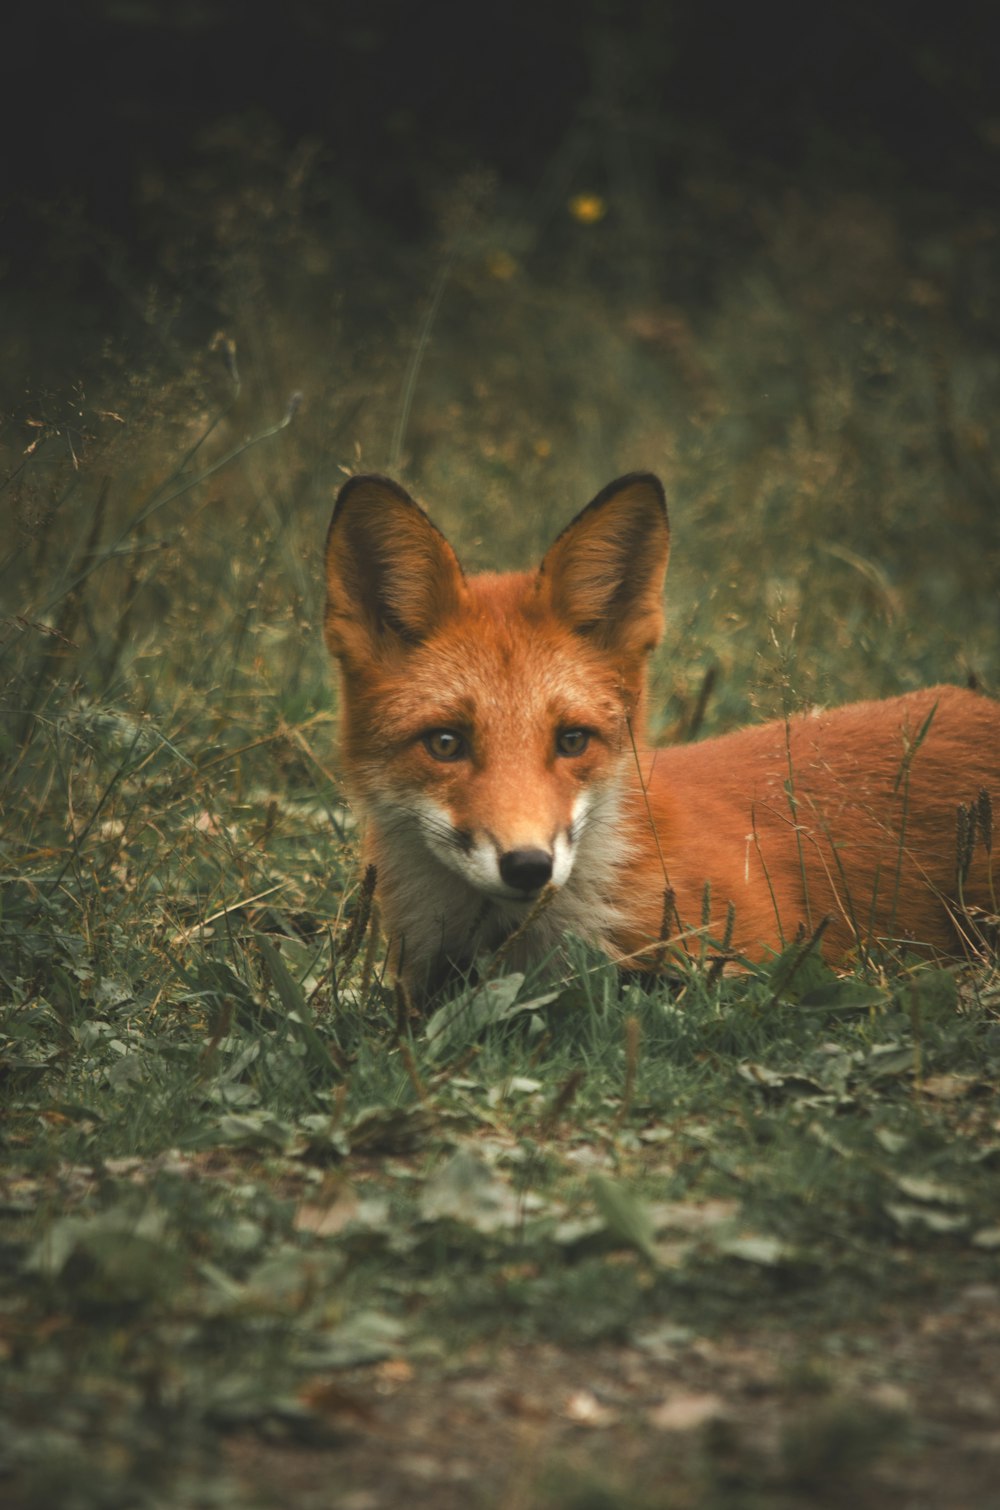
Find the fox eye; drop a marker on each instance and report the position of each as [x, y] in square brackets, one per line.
[444, 744]
[572, 741]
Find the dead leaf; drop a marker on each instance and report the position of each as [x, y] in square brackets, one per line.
[586, 1410]
[755, 1248]
[949, 1087]
[526, 1407]
[692, 1216]
[326, 1221]
[686, 1412]
[332, 1401]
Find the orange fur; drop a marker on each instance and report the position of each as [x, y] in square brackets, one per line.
[492, 730]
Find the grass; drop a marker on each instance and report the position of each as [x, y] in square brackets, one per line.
[243, 1201]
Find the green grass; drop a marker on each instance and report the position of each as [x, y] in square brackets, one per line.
[231, 1175]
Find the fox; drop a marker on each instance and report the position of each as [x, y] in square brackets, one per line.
[493, 730]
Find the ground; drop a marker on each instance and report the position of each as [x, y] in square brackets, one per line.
[902, 1414]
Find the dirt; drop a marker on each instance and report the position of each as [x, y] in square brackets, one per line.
[906, 1415]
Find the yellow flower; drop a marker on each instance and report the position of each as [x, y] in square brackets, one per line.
[588, 209]
[501, 265]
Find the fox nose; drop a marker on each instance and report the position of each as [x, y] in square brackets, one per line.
[526, 869]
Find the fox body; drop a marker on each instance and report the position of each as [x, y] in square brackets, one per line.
[492, 731]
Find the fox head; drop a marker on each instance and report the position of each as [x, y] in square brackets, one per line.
[485, 719]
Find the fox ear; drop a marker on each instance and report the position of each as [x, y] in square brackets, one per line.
[605, 571]
[391, 575]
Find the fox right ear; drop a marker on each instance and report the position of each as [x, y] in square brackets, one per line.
[391, 575]
[604, 573]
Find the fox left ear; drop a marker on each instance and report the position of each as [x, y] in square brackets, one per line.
[391, 576]
[605, 572]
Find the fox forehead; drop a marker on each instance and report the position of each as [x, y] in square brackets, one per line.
[500, 662]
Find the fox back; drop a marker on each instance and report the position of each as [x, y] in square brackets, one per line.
[492, 730]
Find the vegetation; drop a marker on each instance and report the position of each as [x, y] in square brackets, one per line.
[720, 1240]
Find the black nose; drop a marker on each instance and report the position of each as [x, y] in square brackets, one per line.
[526, 869]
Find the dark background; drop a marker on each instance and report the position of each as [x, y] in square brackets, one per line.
[403, 95]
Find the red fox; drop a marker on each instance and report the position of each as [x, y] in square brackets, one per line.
[492, 731]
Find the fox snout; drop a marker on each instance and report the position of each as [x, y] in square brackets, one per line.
[508, 872]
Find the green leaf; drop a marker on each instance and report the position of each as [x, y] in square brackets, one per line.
[255, 1130]
[390, 1129]
[931, 993]
[465, 1189]
[476, 1009]
[625, 1215]
[926, 1218]
[297, 1012]
[923, 1188]
[363, 1337]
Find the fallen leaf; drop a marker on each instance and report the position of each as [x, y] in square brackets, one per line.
[586, 1410]
[390, 1129]
[686, 1412]
[334, 1402]
[935, 1192]
[625, 1215]
[928, 1218]
[773, 1080]
[888, 1059]
[465, 1189]
[326, 1221]
[395, 1371]
[364, 1337]
[527, 1407]
[692, 1216]
[949, 1087]
[755, 1248]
